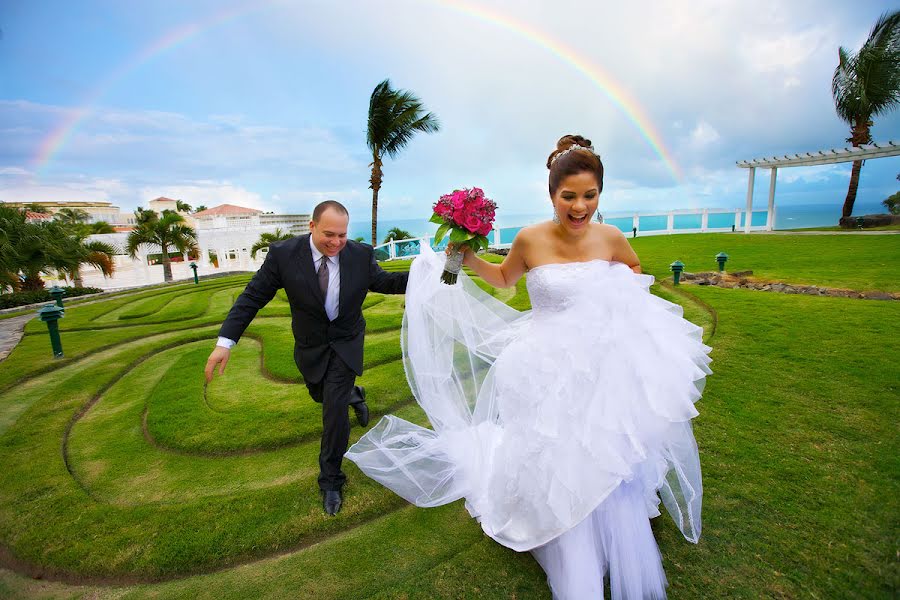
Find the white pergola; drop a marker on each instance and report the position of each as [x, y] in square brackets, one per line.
[826, 157]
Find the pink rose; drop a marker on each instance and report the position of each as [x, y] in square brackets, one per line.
[484, 229]
[472, 223]
[459, 215]
[458, 199]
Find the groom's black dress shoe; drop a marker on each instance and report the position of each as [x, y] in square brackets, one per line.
[359, 405]
[332, 501]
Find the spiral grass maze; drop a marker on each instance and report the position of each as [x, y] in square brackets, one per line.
[124, 477]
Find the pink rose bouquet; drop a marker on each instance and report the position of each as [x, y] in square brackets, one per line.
[469, 217]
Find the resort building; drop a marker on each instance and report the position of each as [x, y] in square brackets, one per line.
[100, 210]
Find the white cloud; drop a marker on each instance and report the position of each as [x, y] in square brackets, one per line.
[207, 193]
[704, 134]
[14, 171]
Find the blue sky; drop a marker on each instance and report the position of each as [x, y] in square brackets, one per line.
[267, 108]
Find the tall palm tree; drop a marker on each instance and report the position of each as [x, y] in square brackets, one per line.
[394, 118]
[182, 206]
[167, 231]
[200, 208]
[866, 84]
[267, 238]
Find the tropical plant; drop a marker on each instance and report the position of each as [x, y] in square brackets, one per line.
[12, 227]
[267, 238]
[200, 208]
[36, 207]
[41, 249]
[892, 203]
[394, 118]
[182, 206]
[866, 84]
[76, 251]
[44, 248]
[101, 227]
[144, 215]
[72, 216]
[167, 231]
[395, 233]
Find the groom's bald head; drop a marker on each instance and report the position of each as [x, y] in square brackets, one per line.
[334, 205]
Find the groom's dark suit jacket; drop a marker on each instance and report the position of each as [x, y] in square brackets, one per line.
[289, 265]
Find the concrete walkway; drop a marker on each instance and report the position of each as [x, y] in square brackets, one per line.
[11, 331]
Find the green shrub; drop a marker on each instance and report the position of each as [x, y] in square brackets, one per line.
[33, 297]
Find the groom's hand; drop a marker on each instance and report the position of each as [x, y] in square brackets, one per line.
[219, 357]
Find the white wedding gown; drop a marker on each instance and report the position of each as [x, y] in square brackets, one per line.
[562, 426]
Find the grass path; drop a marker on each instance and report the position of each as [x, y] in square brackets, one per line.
[125, 477]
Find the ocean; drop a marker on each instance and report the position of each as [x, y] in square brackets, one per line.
[786, 217]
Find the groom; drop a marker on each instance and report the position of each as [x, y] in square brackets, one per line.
[326, 278]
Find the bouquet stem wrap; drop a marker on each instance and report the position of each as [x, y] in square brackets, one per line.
[453, 265]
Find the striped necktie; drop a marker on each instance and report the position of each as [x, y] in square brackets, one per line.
[323, 277]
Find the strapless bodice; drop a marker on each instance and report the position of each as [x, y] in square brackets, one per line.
[556, 287]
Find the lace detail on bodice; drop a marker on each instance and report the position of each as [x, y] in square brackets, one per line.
[555, 287]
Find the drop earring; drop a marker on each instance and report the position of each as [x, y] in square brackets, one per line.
[555, 216]
[599, 217]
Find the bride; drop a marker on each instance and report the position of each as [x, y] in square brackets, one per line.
[562, 427]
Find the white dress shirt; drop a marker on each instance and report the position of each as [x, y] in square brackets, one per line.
[331, 297]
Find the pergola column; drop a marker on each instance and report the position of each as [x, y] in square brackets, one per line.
[770, 217]
[748, 216]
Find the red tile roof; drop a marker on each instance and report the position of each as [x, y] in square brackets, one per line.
[163, 199]
[37, 216]
[227, 210]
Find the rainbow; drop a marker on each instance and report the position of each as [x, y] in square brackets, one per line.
[54, 142]
[613, 90]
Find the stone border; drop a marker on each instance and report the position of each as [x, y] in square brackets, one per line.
[740, 279]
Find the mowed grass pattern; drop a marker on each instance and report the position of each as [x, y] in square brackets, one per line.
[124, 476]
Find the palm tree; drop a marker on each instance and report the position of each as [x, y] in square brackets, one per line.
[267, 238]
[182, 206]
[12, 226]
[866, 84]
[394, 118]
[78, 251]
[101, 227]
[166, 231]
[200, 208]
[41, 249]
[72, 216]
[143, 215]
[395, 233]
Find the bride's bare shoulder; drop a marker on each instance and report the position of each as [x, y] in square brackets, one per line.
[530, 233]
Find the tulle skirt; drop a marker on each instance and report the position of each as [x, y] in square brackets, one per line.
[562, 427]
[615, 541]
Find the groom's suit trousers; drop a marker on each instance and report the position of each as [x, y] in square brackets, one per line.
[334, 391]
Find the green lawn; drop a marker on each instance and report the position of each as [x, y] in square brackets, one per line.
[125, 477]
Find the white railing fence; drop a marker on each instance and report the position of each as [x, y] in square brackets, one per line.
[711, 220]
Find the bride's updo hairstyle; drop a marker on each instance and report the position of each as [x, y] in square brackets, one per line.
[574, 154]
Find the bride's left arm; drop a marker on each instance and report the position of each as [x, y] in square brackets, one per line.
[624, 253]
